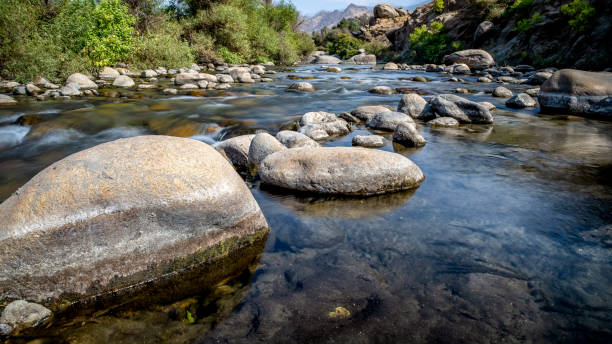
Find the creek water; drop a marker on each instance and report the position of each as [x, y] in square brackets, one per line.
[509, 238]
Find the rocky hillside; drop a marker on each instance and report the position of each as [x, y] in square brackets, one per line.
[329, 19]
[534, 32]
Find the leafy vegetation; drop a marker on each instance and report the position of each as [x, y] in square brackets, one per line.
[55, 38]
[430, 44]
[438, 6]
[345, 46]
[581, 14]
[528, 23]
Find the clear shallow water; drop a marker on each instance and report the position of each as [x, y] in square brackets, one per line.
[508, 239]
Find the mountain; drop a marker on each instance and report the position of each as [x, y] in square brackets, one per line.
[331, 18]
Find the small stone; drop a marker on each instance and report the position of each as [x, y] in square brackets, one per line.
[366, 112]
[236, 150]
[443, 122]
[147, 86]
[21, 314]
[419, 78]
[502, 92]
[20, 91]
[71, 89]
[149, 73]
[533, 92]
[340, 313]
[368, 141]
[7, 100]
[406, 134]
[381, 90]
[301, 87]
[123, 81]
[390, 66]
[521, 100]
[488, 105]
[349, 118]
[484, 79]
[388, 120]
[188, 86]
[334, 69]
[170, 91]
[294, 139]
[82, 81]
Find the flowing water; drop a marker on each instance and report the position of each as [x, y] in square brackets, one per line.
[509, 238]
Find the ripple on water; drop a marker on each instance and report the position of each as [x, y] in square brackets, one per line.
[12, 135]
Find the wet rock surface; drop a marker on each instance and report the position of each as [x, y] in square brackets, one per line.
[340, 170]
[94, 193]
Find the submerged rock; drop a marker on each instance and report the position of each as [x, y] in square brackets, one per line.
[381, 90]
[340, 170]
[7, 100]
[444, 122]
[301, 87]
[100, 222]
[576, 91]
[21, 314]
[368, 141]
[293, 139]
[406, 134]
[262, 145]
[461, 109]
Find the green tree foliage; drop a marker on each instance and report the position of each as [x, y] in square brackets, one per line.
[581, 14]
[528, 23]
[430, 44]
[344, 46]
[438, 6]
[162, 45]
[111, 37]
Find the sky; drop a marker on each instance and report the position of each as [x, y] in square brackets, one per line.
[310, 7]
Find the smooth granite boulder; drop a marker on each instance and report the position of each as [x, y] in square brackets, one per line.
[236, 150]
[473, 58]
[340, 170]
[293, 139]
[124, 216]
[578, 92]
[463, 110]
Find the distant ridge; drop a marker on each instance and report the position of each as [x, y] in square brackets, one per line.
[331, 18]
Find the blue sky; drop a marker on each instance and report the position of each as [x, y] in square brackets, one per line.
[309, 7]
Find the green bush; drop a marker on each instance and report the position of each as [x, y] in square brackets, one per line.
[203, 47]
[528, 23]
[229, 56]
[111, 38]
[162, 45]
[345, 46]
[438, 6]
[430, 44]
[581, 14]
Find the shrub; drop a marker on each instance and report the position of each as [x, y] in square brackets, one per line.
[344, 46]
[438, 6]
[430, 44]
[111, 38]
[162, 45]
[203, 47]
[581, 14]
[229, 56]
[528, 23]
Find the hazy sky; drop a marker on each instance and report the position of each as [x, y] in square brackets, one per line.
[309, 7]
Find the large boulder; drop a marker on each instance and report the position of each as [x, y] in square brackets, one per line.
[262, 145]
[416, 107]
[483, 31]
[474, 58]
[385, 11]
[327, 59]
[340, 170]
[121, 217]
[320, 125]
[576, 91]
[362, 59]
[236, 150]
[388, 120]
[461, 109]
[83, 81]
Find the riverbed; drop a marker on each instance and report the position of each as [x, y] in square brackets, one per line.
[509, 238]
